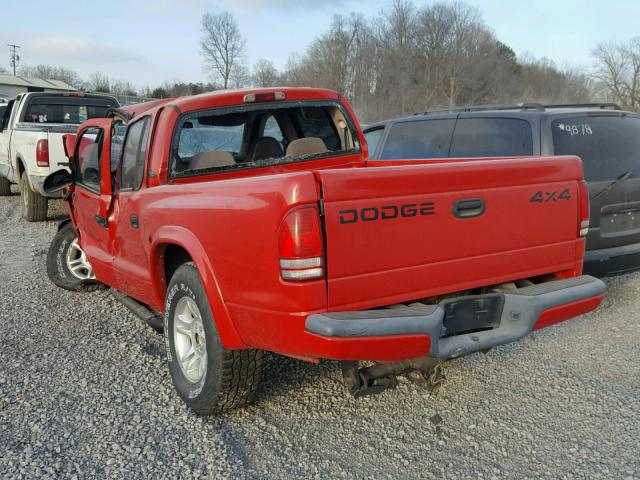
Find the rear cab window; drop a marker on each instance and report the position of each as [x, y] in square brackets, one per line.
[63, 109]
[244, 137]
[609, 145]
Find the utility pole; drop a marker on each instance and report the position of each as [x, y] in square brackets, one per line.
[15, 58]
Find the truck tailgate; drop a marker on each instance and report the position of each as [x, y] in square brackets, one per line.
[396, 233]
[57, 157]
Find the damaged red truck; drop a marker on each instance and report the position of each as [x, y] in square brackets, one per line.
[252, 220]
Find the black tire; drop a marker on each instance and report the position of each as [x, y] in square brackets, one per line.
[232, 376]
[34, 205]
[57, 266]
[5, 187]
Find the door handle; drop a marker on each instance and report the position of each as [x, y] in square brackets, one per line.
[134, 221]
[469, 208]
[102, 221]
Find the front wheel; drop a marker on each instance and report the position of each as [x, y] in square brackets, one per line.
[209, 378]
[34, 205]
[67, 264]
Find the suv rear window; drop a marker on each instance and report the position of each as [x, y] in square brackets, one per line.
[418, 139]
[609, 146]
[491, 137]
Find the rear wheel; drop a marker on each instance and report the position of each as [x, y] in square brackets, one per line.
[209, 378]
[34, 205]
[67, 264]
[5, 187]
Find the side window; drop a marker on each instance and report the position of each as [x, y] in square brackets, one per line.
[491, 137]
[89, 152]
[373, 138]
[118, 131]
[135, 149]
[316, 122]
[272, 129]
[6, 116]
[418, 140]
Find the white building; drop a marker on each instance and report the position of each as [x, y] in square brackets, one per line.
[12, 85]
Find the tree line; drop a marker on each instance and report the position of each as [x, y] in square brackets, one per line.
[403, 60]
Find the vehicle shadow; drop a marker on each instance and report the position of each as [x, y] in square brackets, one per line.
[58, 217]
[282, 375]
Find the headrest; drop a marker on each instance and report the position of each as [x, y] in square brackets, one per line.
[266, 147]
[306, 146]
[211, 159]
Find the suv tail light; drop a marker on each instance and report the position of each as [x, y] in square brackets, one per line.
[583, 225]
[42, 153]
[300, 245]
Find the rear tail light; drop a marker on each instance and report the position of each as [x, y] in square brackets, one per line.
[583, 222]
[300, 245]
[42, 153]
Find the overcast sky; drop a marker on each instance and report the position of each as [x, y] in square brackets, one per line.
[149, 41]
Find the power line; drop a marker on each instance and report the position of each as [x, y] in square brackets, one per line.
[15, 58]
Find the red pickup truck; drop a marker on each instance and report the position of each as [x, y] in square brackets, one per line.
[251, 220]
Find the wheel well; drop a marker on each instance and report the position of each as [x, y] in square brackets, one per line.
[20, 165]
[174, 256]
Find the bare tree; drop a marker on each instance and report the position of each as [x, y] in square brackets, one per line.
[122, 87]
[240, 76]
[617, 72]
[49, 72]
[222, 45]
[99, 82]
[265, 74]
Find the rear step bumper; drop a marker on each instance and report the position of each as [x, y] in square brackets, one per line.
[455, 326]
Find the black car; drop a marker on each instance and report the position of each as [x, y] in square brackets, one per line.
[605, 137]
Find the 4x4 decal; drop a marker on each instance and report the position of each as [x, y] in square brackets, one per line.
[546, 197]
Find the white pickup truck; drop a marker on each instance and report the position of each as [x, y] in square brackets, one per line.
[31, 143]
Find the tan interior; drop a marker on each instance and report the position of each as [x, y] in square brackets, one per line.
[211, 159]
[306, 146]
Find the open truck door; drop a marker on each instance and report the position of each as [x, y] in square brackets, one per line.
[92, 193]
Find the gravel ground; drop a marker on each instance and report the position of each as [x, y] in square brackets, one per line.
[85, 393]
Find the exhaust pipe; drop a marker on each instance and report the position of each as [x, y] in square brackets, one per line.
[382, 376]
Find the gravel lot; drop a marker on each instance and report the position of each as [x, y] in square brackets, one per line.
[84, 392]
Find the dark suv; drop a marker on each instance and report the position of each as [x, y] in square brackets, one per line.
[605, 137]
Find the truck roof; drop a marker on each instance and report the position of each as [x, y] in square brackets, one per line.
[228, 98]
[236, 97]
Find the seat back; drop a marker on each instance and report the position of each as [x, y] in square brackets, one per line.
[211, 159]
[306, 146]
[265, 147]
